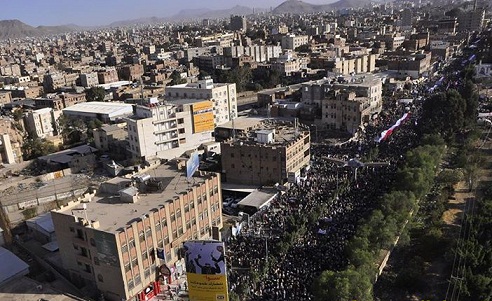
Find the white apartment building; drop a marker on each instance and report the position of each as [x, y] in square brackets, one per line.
[223, 96]
[292, 41]
[40, 122]
[166, 131]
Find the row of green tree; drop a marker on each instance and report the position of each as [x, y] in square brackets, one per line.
[445, 117]
[379, 231]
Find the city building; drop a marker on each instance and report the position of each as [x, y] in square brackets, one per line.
[107, 76]
[121, 246]
[5, 97]
[111, 137]
[472, 20]
[315, 92]
[167, 130]
[104, 111]
[40, 122]
[238, 23]
[53, 81]
[89, 79]
[291, 41]
[223, 96]
[343, 110]
[266, 154]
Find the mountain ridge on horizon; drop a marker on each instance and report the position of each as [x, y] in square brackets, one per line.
[18, 29]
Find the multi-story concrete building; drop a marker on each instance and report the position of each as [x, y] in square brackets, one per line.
[223, 96]
[415, 65]
[54, 81]
[344, 111]
[89, 79]
[110, 137]
[292, 41]
[238, 23]
[131, 72]
[266, 154]
[120, 245]
[167, 131]
[5, 97]
[40, 122]
[472, 20]
[110, 75]
[367, 85]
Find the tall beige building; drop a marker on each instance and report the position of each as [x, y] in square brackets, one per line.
[41, 122]
[129, 246]
[167, 130]
[223, 96]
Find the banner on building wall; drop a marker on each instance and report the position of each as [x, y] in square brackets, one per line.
[206, 270]
[203, 117]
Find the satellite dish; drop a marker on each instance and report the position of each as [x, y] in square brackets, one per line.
[84, 206]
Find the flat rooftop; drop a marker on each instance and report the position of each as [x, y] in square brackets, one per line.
[99, 107]
[243, 123]
[113, 214]
[26, 289]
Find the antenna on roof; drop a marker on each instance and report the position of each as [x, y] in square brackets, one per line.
[84, 206]
[233, 127]
[141, 88]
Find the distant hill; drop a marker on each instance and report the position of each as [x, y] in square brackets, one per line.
[15, 29]
[192, 14]
[213, 14]
[301, 7]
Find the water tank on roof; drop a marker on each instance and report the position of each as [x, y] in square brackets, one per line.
[265, 136]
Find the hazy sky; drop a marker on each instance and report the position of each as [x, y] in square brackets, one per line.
[103, 12]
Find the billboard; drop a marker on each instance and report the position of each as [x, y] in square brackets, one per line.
[203, 116]
[192, 165]
[206, 270]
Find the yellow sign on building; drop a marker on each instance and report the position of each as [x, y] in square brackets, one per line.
[203, 117]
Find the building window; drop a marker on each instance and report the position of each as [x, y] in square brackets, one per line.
[166, 240]
[138, 280]
[100, 278]
[200, 216]
[127, 267]
[130, 285]
[146, 273]
[145, 255]
[178, 213]
[141, 236]
[93, 242]
[173, 217]
[124, 248]
[175, 234]
[131, 243]
[148, 233]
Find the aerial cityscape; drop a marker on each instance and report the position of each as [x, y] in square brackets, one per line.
[263, 150]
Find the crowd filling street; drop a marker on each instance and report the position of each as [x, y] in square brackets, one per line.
[339, 197]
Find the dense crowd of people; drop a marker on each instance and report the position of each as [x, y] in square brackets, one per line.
[335, 196]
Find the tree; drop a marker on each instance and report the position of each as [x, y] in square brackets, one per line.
[470, 95]
[176, 79]
[241, 76]
[95, 94]
[36, 147]
[18, 114]
[73, 130]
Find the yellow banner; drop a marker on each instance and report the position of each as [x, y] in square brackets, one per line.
[202, 106]
[203, 122]
[207, 287]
